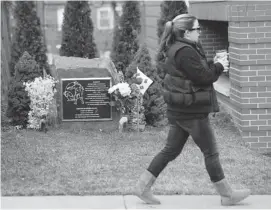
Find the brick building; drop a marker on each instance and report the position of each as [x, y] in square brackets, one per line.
[244, 28]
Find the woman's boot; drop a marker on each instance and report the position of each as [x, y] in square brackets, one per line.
[228, 196]
[143, 188]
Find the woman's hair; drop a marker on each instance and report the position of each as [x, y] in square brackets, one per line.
[174, 29]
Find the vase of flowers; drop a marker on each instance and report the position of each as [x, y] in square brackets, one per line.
[125, 98]
[128, 99]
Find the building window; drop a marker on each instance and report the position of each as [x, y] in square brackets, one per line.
[60, 15]
[105, 18]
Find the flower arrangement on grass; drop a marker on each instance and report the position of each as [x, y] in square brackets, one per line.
[124, 96]
[128, 99]
[41, 92]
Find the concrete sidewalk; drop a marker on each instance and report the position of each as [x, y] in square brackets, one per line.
[130, 202]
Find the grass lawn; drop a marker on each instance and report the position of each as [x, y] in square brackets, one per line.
[80, 162]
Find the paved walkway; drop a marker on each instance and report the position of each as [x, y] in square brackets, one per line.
[130, 202]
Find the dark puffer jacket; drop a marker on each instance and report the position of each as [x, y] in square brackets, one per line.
[188, 84]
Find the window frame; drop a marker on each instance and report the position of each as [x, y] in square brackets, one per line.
[110, 18]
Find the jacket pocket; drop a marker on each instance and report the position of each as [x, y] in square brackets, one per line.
[202, 98]
[185, 100]
[181, 99]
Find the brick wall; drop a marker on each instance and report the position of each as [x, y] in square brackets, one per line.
[250, 74]
[214, 36]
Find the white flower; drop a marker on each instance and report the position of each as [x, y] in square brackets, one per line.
[112, 89]
[124, 89]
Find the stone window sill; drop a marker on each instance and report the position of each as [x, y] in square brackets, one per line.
[222, 85]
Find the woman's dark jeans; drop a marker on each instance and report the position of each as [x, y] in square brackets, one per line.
[203, 136]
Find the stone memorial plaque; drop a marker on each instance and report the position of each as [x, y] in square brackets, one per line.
[86, 99]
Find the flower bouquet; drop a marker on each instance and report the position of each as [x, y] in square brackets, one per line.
[128, 99]
[41, 92]
[123, 96]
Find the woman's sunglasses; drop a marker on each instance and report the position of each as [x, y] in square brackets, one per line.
[193, 29]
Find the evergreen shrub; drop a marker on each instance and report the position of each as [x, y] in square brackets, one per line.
[26, 70]
[77, 31]
[153, 100]
[126, 35]
[28, 36]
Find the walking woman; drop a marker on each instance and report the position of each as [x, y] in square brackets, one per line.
[190, 97]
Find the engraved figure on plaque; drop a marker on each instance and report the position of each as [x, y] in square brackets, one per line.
[74, 91]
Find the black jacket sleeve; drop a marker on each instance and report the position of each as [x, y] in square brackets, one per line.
[188, 60]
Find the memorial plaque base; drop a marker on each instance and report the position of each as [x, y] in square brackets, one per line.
[103, 126]
[72, 68]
